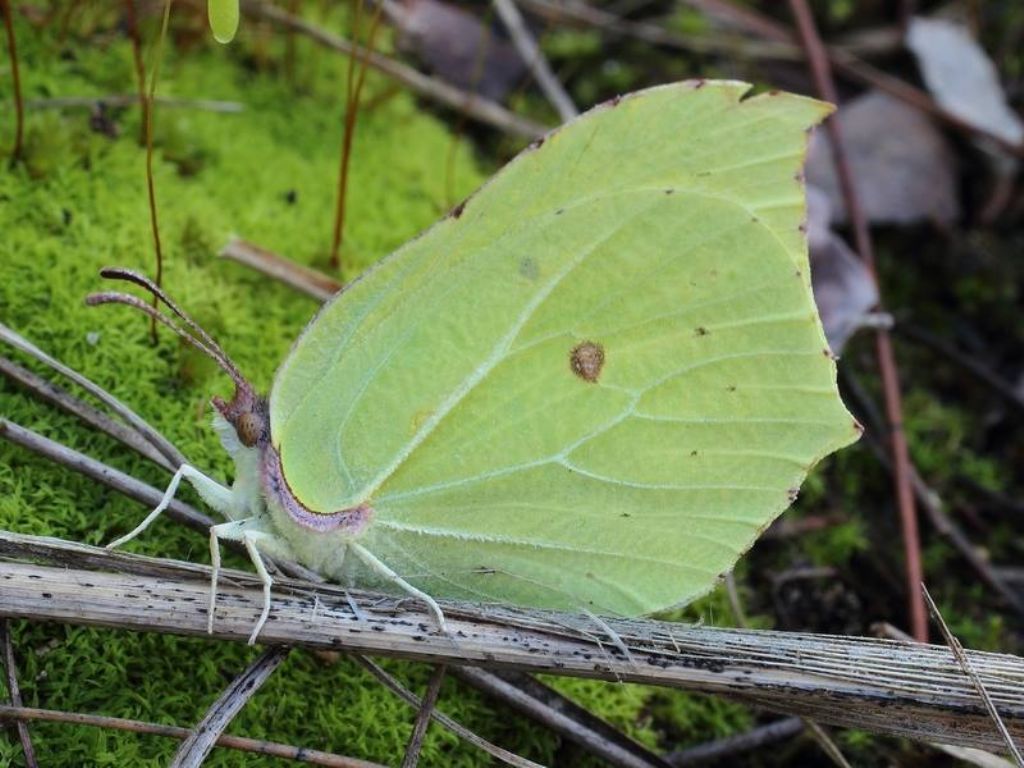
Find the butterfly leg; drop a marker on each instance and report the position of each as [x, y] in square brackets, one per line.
[382, 570]
[254, 540]
[212, 492]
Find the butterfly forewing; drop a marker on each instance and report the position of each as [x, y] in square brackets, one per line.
[597, 381]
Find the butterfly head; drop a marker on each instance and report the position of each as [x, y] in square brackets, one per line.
[246, 412]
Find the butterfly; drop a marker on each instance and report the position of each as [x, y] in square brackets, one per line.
[589, 387]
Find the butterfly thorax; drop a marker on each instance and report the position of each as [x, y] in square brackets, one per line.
[245, 431]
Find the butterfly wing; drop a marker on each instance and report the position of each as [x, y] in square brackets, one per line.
[597, 380]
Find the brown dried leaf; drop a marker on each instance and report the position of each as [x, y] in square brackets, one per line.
[457, 47]
[902, 165]
[843, 288]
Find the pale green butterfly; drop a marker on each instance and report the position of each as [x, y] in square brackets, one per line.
[589, 387]
[223, 16]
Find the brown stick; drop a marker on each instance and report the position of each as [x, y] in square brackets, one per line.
[14, 693]
[419, 730]
[19, 105]
[902, 468]
[257, 746]
[464, 102]
[312, 282]
[194, 749]
[912, 690]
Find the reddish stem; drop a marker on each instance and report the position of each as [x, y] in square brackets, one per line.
[355, 89]
[902, 468]
[150, 184]
[19, 105]
[132, 24]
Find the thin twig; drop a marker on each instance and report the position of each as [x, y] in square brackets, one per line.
[108, 476]
[965, 665]
[410, 698]
[419, 729]
[732, 746]
[194, 749]
[464, 102]
[910, 690]
[61, 398]
[828, 746]
[19, 105]
[534, 59]
[577, 13]
[561, 715]
[306, 280]
[976, 368]
[927, 498]
[14, 693]
[118, 100]
[161, 443]
[902, 467]
[256, 746]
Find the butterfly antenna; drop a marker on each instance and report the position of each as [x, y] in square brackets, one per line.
[192, 333]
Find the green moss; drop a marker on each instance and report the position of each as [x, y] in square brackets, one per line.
[268, 174]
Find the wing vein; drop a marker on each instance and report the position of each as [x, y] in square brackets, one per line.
[497, 354]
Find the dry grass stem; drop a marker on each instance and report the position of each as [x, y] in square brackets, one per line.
[149, 432]
[910, 690]
[194, 749]
[534, 59]
[389, 682]
[14, 694]
[256, 746]
[419, 730]
[561, 715]
[968, 669]
[61, 398]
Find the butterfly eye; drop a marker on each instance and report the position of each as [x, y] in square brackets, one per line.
[250, 428]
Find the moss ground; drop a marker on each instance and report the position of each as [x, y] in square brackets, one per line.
[78, 203]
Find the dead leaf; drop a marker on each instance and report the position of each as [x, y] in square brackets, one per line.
[457, 47]
[961, 76]
[843, 288]
[903, 168]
